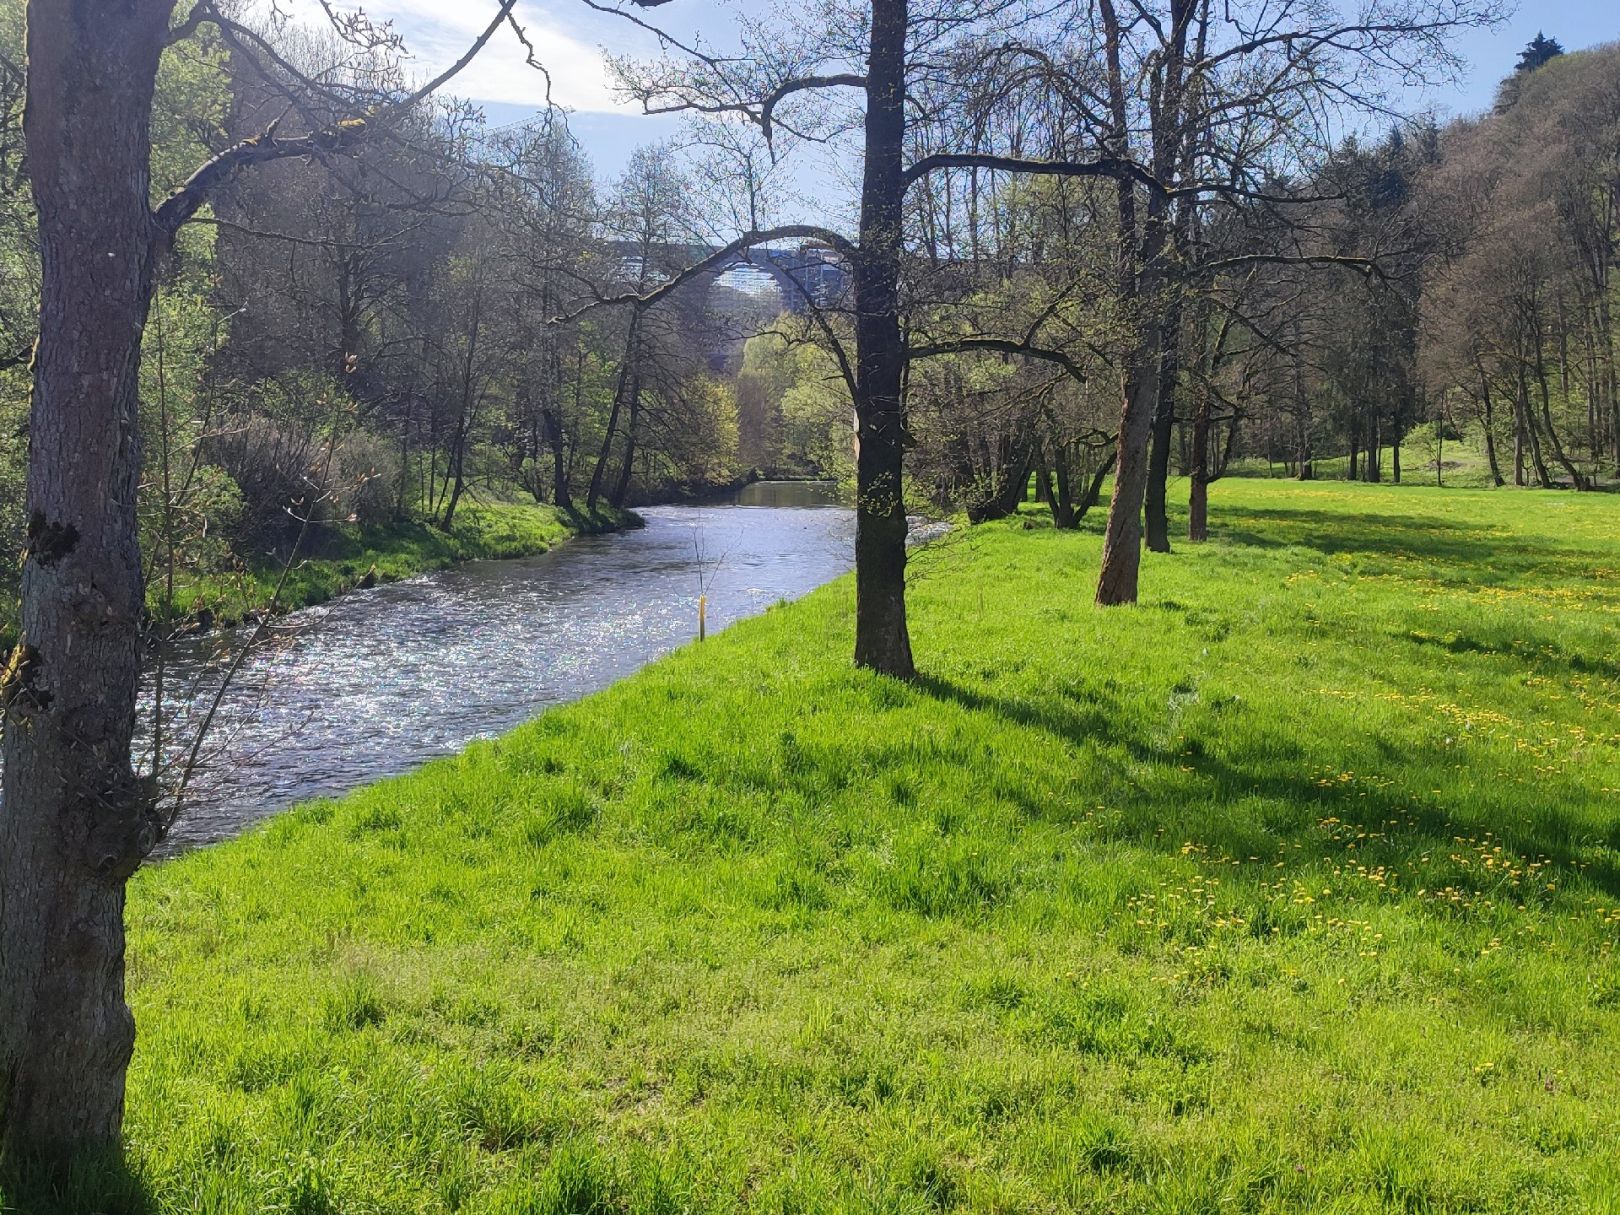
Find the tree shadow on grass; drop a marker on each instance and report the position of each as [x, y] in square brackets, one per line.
[100, 1182]
[1478, 549]
[1548, 656]
[1215, 781]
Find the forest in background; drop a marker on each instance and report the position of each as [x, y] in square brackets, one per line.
[348, 347]
[353, 343]
[1472, 304]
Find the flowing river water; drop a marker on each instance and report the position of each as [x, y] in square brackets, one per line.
[379, 681]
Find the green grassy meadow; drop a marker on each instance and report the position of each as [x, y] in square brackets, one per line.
[1296, 888]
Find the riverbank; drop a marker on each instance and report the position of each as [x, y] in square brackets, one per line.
[348, 557]
[1292, 889]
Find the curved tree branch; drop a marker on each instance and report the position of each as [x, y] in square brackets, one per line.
[999, 346]
[1113, 167]
[698, 269]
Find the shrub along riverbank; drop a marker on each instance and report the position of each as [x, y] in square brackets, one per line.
[1294, 889]
[346, 557]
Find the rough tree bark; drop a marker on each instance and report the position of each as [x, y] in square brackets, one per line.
[75, 822]
[1122, 541]
[882, 642]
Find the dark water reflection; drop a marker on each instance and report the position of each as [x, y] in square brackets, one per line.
[379, 681]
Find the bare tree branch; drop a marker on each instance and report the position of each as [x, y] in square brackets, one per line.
[1113, 167]
[1000, 346]
[726, 253]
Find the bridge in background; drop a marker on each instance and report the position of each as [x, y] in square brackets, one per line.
[799, 278]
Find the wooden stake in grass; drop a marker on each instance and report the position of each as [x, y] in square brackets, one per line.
[703, 617]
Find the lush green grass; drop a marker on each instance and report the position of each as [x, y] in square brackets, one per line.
[1294, 889]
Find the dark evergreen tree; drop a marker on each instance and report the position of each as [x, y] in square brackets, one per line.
[1538, 51]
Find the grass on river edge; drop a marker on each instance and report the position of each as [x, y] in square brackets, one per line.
[1294, 889]
[348, 557]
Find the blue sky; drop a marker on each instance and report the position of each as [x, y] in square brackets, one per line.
[570, 39]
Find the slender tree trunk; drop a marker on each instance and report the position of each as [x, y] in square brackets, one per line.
[455, 475]
[555, 440]
[621, 487]
[882, 641]
[1520, 443]
[1141, 276]
[1043, 485]
[1575, 476]
[1528, 424]
[1198, 496]
[1063, 516]
[1224, 461]
[620, 388]
[75, 821]
[1094, 489]
[1164, 420]
[1611, 366]
[1490, 434]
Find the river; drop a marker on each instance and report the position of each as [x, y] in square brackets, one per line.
[379, 681]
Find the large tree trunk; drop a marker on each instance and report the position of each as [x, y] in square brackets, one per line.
[882, 642]
[75, 821]
[1142, 282]
[1122, 540]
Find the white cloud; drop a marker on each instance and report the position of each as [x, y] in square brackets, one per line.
[438, 32]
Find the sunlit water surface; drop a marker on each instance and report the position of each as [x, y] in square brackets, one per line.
[379, 681]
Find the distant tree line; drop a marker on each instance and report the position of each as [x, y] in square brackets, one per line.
[370, 337]
[1321, 312]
